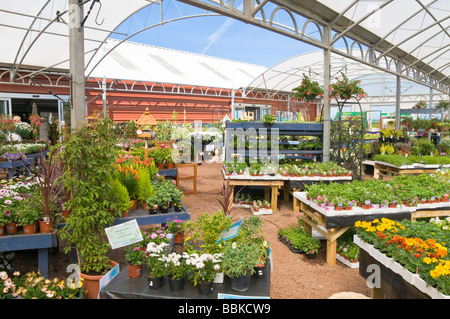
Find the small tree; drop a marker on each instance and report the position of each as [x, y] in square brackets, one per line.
[88, 157]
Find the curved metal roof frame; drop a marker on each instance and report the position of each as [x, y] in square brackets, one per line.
[408, 38]
[36, 33]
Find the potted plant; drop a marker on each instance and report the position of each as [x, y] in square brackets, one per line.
[88, 170]
[123, 200]
[28, 216]
[308, 90]
[145, 187]
[177, 269]
[345, 89]
[50, 189]
[177, 199]
[175, 227]
[156, 264]
[269, 119]
[152, 204]
[204, 269]
[238, 262]
[135, 258]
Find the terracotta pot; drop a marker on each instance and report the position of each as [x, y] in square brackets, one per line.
[64, 214]
[144, 206]
[134, 206]
[348, 208]
[134, 271]
[392, 205]
[364, 206]
[30, 229]
[91, 284]
[338, 208]
[178, 238]
[160, 166]
[2, 230]
[124, 213]
[46, 227]
[11, 228]
[170, 165]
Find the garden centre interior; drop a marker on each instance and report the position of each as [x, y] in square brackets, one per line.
[131, 170]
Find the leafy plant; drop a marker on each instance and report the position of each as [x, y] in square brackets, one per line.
[345, 88]
[87, 174]
[269, 118]
[122, 197]
[239, 259]
[144, 185]
[49, 183]
[134, 255]
[308, 89]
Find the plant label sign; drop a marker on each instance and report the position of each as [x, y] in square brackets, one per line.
[124, 234]
[233, 231]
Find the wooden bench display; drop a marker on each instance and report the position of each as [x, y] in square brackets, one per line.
[192, 177]
[383, 169]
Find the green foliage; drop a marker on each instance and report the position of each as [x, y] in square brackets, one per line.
[88, 158]
[144, 185]
[239, 258]
[122, 196]
[308, 89]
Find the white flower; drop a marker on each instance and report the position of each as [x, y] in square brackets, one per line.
[234, 245]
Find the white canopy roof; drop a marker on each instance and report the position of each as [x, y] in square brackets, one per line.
[32, 34]
[35, 33]
[140, 62]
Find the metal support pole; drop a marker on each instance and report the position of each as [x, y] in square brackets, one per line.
[104, 96]
[398, 99]
[76, 49]
[326, 101]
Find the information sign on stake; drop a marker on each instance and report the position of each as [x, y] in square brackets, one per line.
[124, 234]
[233, 231]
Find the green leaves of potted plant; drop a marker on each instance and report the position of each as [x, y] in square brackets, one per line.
[135, 258]
[269, 119]
[345, 88]
[88, 159]
[122, 198]
[238, 262]
[309, 90]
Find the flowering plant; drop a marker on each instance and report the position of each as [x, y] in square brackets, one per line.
[174, 225]
[134, 256]
[309, 90]
[155, 260]
[419, 246]
[157, 236]
[14, 156]
[35, 121]
[348, 250]
[34, 286]
[176, 265]
[345, 89]
[204, 266]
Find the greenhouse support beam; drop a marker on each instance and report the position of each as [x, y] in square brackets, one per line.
[397, 102]
[76, 49]
[326, 100]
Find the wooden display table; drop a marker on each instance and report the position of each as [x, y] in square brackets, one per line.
[192, 177]
[332, 224]
[272, 184]
[383, 169]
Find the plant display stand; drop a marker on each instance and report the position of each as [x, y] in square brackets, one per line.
[21, 165]
[384, 169]
[271, 184]
[395, 282]
[123, 287]
[251, 131]
[332, 224]
[192, 177]
[42, 242]
[144, 218]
